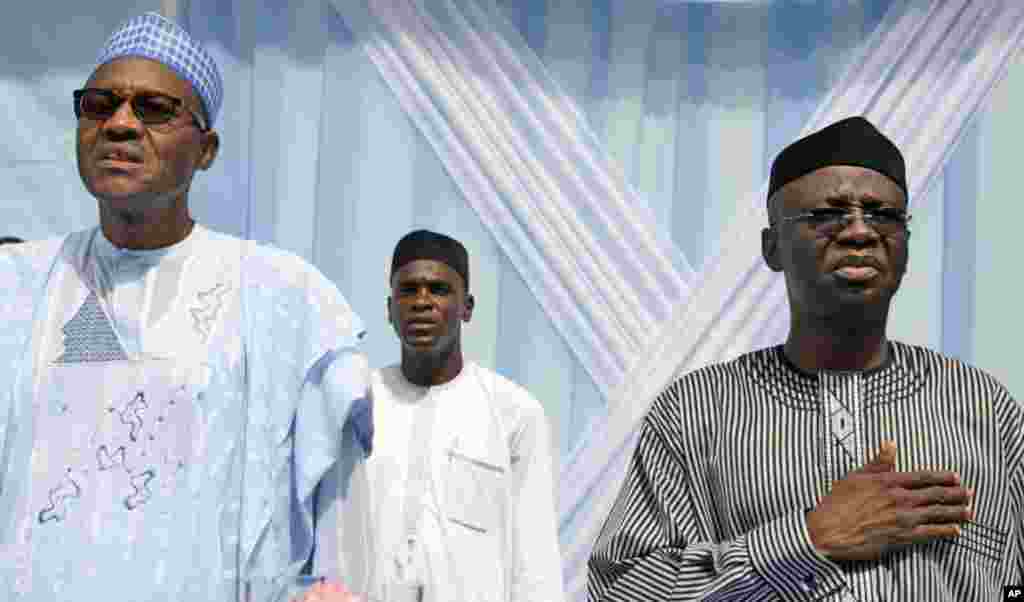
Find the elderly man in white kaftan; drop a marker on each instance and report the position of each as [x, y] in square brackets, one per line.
[170, 396]
[460, 501]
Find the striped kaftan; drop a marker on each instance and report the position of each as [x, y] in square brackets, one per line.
[731, 457]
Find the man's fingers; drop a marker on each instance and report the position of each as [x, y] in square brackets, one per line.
[948, 496]
[911, 520]
[330, 591]
[930, 532]
[924, 478]
[947, 514]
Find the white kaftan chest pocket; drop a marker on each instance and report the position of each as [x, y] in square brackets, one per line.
[473, 492]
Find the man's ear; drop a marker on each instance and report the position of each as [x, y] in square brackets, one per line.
[387, 311]
[211, 145]
[770, 248]
[467, 310]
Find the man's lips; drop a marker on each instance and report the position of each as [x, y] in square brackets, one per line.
[857, 268]
[115, 165]
[856, 274]
[420, 332]
[120, 156]
[419, 325]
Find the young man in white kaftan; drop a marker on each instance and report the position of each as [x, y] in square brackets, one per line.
[460, 503]
[840, 466]
[169, 396]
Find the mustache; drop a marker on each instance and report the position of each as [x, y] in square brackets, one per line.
[130, 152]
[859, 261]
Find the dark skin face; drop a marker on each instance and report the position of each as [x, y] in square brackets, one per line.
[839, 288]
[141, 174]
[427, 307]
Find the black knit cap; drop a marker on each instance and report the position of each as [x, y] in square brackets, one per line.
[852, 141]
[424, 244]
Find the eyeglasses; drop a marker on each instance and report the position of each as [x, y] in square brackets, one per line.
[830, 221]
[150, 108]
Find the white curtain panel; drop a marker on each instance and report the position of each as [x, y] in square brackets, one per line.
[523, 156]
[921, 78]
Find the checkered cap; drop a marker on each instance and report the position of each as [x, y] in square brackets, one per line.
[155, 37]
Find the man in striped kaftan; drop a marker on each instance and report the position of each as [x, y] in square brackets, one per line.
[838, 466]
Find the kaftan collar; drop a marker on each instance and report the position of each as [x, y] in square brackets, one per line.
[902, 375]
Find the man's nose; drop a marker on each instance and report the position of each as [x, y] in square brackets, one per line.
[422, 298]
[856, 230]
[123, 123]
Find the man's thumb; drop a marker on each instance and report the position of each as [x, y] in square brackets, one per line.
[884, 460]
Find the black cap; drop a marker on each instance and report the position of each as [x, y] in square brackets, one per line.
[852, 141]
[424, 244]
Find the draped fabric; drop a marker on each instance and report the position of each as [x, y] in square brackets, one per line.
[564, 143]
[523, 156]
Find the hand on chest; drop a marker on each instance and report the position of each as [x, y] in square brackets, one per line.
[757, 473]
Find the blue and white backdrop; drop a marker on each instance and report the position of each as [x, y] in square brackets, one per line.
[605, 163]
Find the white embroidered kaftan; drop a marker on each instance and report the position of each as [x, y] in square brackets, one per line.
[152, 406]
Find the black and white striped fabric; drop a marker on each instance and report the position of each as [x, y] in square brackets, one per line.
[731, 457]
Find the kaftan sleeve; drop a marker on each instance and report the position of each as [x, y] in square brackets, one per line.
[1012, 428]
[654, 546]
[346, 545]
[24, 272]
[306, 374]
[1018, 494]
[537, 573]
[333, 420]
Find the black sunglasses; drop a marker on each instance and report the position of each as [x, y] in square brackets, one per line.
[830, 221]
[150, 108]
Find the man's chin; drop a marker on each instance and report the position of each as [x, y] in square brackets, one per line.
[419, 345]
[867, 290]
[133, 200]
[865, 303]
[426, 347]
[118, 186]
